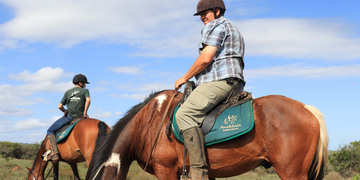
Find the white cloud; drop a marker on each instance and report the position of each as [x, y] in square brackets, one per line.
[166, 28]
[300, 38]
[155, 87]
[29, 130]
[136, 96]
[6, 43]
[118, 113]
[70, 22]
[10, 95]
[126, 70]
[140, 91]
[30, 124]
[6, 126]
[305, 71]
[46, 79]
[145, 87]
[103, 115]
[44, 74]
[4, 111]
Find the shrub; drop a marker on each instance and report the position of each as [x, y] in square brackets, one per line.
[18, 151]
[356, 177]
[346, 161]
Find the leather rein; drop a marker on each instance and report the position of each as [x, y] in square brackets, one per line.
[38, 174]
[160, 128]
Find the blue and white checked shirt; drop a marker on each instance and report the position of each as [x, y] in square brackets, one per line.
[228, 60]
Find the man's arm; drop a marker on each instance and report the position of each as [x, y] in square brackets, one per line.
[204, 59]
[61, 107]
[87, 104]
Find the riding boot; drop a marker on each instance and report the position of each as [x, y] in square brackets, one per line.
[194, 143]
[54, 155]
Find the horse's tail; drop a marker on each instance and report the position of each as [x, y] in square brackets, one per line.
[316, 171]
[102, 134]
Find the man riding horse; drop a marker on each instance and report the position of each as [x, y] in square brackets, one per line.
[218, 69]
[77, 100]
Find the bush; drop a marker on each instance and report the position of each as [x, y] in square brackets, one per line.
[356, 177]
[346, 161]
[18, 151]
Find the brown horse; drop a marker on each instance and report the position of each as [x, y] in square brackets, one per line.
[78, 147]
[288, 135]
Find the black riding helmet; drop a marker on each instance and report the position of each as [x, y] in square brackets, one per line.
[80, 78]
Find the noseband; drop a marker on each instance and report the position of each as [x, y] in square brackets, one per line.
[33, 176]
[38, 173]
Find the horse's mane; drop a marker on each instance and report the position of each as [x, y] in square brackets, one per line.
[103, 151]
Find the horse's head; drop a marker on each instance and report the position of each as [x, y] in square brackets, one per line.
[33, 175]
[39, 165]
[38, 168]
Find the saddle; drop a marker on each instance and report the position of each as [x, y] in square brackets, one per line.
[227, 120]
[64, 131]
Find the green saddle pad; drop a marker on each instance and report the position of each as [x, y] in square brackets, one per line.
[64, 132]
[233, 122]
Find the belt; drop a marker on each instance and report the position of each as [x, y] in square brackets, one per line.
[233, 81]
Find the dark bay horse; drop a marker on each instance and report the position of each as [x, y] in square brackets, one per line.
[78, 147]
[288, 135]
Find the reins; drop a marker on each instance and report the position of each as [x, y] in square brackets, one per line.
[159, 129]
[48, 173]
[39, 170]
[38, 174]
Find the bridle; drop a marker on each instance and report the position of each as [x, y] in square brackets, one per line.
[33, 176]
[38, 173]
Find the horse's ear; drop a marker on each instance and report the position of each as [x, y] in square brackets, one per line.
[28, 169]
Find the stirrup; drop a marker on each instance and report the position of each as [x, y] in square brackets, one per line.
[54, 156]
[185, 177]
[199, 173]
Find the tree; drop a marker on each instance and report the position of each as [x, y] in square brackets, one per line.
[18, 150]
[346, 161]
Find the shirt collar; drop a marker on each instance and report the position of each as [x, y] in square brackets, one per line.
[217, 21]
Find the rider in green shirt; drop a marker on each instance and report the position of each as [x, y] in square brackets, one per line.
[77, 101]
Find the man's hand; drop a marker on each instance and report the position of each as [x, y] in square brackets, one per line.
[179, 82]
[86, 116]
[205, 58]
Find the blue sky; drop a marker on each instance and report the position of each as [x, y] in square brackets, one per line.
[306, 50]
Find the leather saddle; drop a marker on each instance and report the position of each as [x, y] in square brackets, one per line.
[236, 97]
[65, 130]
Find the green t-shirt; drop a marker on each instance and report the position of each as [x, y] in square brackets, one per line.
[75, 99]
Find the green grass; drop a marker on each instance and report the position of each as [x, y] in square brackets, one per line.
[15, 169]
[6, 167]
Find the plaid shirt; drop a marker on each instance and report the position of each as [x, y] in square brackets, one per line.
[228, 60]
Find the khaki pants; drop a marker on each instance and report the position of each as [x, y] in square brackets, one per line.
[203, 99]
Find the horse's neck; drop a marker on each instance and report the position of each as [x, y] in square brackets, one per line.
[137, 132]
[140, 132]
[39, 163]
[153, 123]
